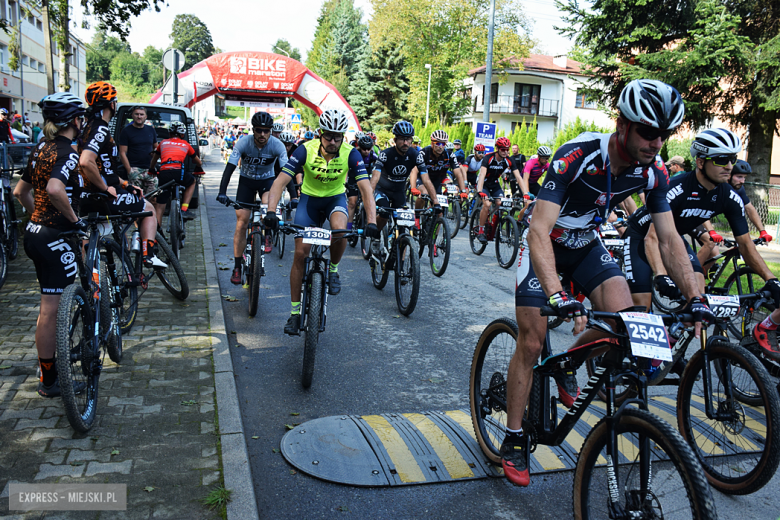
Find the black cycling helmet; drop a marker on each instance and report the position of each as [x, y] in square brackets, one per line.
[742, 167]
[403, 129]
[262, 120]
[62, 107]
[365, 142]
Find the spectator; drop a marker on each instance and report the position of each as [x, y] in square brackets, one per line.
[5, 128]
[675, 165]
[519, 160]
[16, 124]
[36, 131]
[27, 128]
[137, 141]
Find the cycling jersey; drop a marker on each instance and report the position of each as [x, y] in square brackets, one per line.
[460, 156]
[437, 166]
[173, 153]
[55, 159]
[322, 178]
[577, 182]
[229, 141]
[495, 167]
[5, 132]
[473, 164]
[692, 205]
[395, 168]
[258, 163]
[535, 168]
[97, 139]
[743, 195]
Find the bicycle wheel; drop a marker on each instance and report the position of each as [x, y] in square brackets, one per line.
[76, 361]
[476, 246]
[407, 275]
[12, 239]
[172, 277]
[507, 242]
[174, 231]
[745, 281]
[313, 315]
[464, 213]
[128, 290]
[255, 273]
[663, 480]
[379, 272]
[666, 305]
[109, 319]
[453, 217]
[3, 264]
[439, 254]
[739, 452]
[487, 385]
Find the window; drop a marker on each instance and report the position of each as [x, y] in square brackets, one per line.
[581, 102]
[12, 13]
[493, 93]
[527, 98]
[39, 25]
[2, 57]
[41, 67]
[33, 64]
[31, 20]
[25, 60]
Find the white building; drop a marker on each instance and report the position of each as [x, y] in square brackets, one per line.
[545, 87]
[22, 89]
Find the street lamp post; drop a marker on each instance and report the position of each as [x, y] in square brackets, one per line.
[288, 55]
[428, 101]
[489, 65]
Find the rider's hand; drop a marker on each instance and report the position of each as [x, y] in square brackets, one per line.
[222, 199]
[153, 172]
[437, 209]
[715, 236]
[773, 286]
[483, 194]
[702, 315]
[567, 307]
[80, 225]
[372, 231]
[415, 192]
[270, 220]
[293, 203]
[666, 287]
[531, 196]
[526, 197]
[464, 194]
[766, 236]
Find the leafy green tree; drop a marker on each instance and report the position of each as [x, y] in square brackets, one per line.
[379, 89]
[191, 36]
[100, 52]
[152, 57]
[284, 48]
[114, 17]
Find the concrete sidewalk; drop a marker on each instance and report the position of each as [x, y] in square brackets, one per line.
[156, 428]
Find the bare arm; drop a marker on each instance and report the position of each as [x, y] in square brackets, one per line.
[540, 246]
[752, 214]
[481, 178]
[430, 189]
[522, 181]
[752, 258]
[375, 179]
[277, 189]
[674, 255]
[653, 253]
[23, 193]
[629, 205]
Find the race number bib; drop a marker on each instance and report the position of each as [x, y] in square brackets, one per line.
[404, 217]
[613, 242]
[442, 200]
[507, 203]
[451, 188]
[647, 334]
[723, 306]
[316, 236]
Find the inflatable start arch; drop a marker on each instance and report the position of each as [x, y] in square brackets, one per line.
[259, 76]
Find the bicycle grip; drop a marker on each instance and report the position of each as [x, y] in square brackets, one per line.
[546, 310]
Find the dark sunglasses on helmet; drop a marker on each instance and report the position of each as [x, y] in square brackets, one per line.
[723, 160]
[648, 133]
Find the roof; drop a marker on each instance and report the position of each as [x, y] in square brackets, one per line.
[537, 63]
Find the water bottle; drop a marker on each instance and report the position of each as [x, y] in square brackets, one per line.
[135, 243]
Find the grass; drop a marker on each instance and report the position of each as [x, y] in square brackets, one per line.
[729, 270]
[218, 497]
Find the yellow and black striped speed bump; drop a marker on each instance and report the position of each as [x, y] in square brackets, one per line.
[417, 448]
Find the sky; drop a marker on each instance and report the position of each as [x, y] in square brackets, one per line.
[255, 25]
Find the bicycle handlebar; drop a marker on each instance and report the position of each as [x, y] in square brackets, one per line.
[159, 189]
[290, 228]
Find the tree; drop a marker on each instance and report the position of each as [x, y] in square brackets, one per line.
[283, 47]
[191, 36]
[100, 52]
[379, 89]
[114, 17]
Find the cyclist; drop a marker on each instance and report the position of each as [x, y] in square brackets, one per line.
[493, 165]
[55, 178]
[288, 140]
[172, 153]
[474, 163]
[325, 165]
[227, 145]
[365, 145]
[534, 170]
[694, 197]
[600, 171]
[99, 158]
[277, 130]
[373, 137]
[459, 154]
[262, 158]
[308, 136]
[391, 170]
[437, 161]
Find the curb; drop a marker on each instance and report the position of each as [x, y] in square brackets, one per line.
[235, 459]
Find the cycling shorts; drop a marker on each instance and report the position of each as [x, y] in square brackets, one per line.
[395, 200]
[125, 202]
[494, 191]
[314, 211]
[639, 274]
[471, 178]
[181, 177]
[586, 268]
[54, 258]
[249, 189]
[534, 188]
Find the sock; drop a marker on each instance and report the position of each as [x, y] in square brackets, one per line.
[185, 207]
[334, 268]
[148, 247]
[239, 262]
[296, 307]
[481, 229]
[768, 324]
[48, 371]
[513, 435]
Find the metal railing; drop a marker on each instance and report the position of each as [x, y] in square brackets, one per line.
[766, 199]
[14, 156]
[520, 105]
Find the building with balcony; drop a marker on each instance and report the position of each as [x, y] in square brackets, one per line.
[545, 87]
[22, 89]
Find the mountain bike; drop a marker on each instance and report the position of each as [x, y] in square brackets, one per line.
[500, 227]
[284, 210]
[467, 206]
[314, 294]
[254, 252]
[398, 253]
[752, 311]
[9, 225]
[632, 464]
[452, 208]
[435, 233]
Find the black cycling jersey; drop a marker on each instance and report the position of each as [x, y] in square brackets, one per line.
[438, 166]
[396, 168]
[577, 181]
[97, 139]
[692, 205]
[495, 167]
[55, 159]
[742, 195]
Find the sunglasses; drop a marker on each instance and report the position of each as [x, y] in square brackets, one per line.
[332, 137]
[259, 130]
[438, 143]
[722, 160]
[503, 149]
[648, 133]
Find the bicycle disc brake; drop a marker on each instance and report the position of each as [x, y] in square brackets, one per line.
[642, 504]
[736, 424]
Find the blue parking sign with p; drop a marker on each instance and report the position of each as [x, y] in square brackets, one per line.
[485, 133]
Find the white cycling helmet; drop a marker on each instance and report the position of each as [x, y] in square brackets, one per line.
[334, 120]
[544, 151]
[652, 103]
[440, 135]
[715, 141]
[177, 127]
[278, 127]
[287, 137]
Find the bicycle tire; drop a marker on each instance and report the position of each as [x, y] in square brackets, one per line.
[182, 290]
[254, 273]
[109, 321]
[75, 360]
[554, 322]
[125, 272]
[727, 472]
[439, 254]
[489, 367]
[678, 481]
[313, 315]
[407, 272]
[453, 217]
[476, 247]
[464, 213]
[3, 264]
[745, 279]
[173, 228]
[379, 272]
[666, 305]
[282, 241]
[507, 234]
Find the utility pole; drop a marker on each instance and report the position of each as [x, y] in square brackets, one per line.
[489, 68]
[47, 47]
[428, 101]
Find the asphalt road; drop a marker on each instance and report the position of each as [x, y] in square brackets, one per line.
[372, 360]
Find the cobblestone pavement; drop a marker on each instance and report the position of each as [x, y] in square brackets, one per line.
[155, 428]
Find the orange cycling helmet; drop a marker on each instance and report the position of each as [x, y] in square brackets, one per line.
[100, 94]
